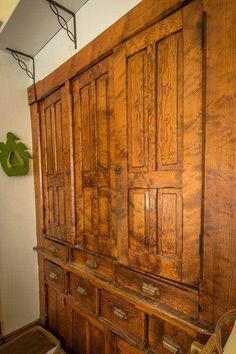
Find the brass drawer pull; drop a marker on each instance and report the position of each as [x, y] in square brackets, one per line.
[53, 249]
[53, 276]
[81, 290]
[90, 263]
[120, 313]
[150, 289]
[171, 346]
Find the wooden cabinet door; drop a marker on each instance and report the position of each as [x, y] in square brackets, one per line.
[56, 165]
[87, 335]
[56, 313]
[93, 139]
[158, 110]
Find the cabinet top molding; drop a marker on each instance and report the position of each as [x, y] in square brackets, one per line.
[143, 15]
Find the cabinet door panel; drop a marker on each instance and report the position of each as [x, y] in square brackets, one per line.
[56, 170]
[94, 148]
[158, 110]
[87, 336]
[56, 313]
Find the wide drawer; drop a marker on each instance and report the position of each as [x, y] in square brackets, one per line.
[54, 275]
[165, 338]
[124, 316]
[84, 292]
[182, 300]
[98, 265]
[56, 249]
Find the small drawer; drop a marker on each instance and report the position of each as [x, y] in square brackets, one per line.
[124, 316]
[98, 265]
[56, 249]
[84, 292]
[55, 275]
[182, 300]
[122, 347]
[165, 338]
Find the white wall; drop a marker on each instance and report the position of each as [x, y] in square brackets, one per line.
[18, 262]
[18, 266]
[91, 20]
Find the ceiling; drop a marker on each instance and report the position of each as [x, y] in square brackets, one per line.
[32, 25]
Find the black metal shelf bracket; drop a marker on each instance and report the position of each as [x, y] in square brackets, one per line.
[17, 56]
[54, 7]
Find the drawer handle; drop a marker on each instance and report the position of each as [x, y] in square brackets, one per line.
[53, 249]
[90, 263]
[171, 346]
[150, 289]
[120, 313]
[53, 276]
[81, 290]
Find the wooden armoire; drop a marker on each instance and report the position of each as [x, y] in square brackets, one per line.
[134, 143]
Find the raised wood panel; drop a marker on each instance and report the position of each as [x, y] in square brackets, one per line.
[56, 313]
[87, 336]
[56, 165]
[136, 105]
[170, 222]
[143, 219]
[93, 135]
[169, 100]
[154, 148]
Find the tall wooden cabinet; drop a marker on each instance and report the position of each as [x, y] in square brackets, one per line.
[119, 136]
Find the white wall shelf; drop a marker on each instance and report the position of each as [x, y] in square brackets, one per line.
[33, 24]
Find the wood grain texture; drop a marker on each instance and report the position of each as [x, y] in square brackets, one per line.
[57, 205]
[56, 313]
[193, 140]
[87, 295]
[36, 141]
[86, 335]
[182, 300]
[122, 347]
[161, 332]
[218, 291]
[142, 16]
[94, 162]
[133, 322]
[159, 142]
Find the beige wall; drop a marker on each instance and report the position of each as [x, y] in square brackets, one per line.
[91, 20]
[18, 261]
[6, 8]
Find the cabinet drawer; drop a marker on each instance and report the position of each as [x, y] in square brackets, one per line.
[54, 275]
[122, 347]
[185, 301]
[96, 264]
[124, 316]
[56, 249]
[165, 338]
[83, 292]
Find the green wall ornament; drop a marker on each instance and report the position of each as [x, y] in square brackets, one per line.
[14, 156]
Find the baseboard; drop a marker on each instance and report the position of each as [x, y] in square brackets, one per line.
[7, 338]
